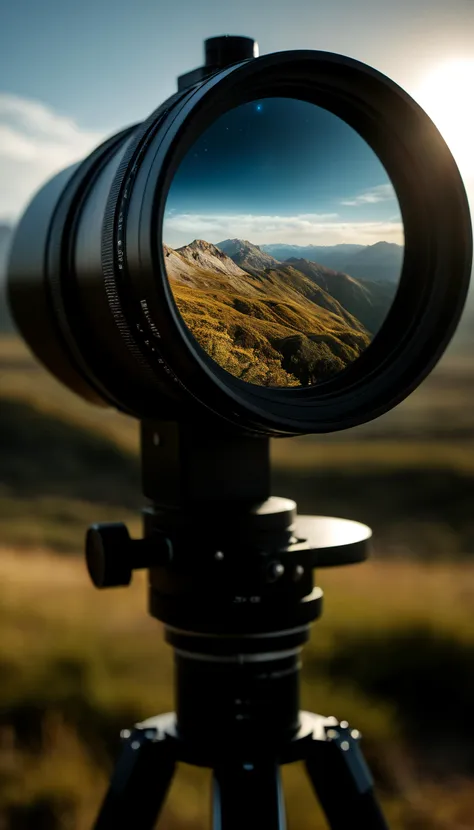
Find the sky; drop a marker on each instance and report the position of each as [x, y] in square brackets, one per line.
[73, 73]
[281, 170]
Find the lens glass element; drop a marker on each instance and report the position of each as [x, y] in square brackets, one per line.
[283, 243]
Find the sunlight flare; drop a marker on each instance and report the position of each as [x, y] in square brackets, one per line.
[446, 95]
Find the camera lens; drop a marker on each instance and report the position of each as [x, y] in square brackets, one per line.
[301, 309]
[284, 246]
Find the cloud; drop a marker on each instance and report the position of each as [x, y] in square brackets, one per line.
[382, 193]
[244, 223]
[301, 229]
[35, 143]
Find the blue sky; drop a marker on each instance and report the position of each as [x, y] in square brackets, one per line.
[281, 170]
[72, 73]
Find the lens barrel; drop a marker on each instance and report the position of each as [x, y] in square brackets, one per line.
[87, 280]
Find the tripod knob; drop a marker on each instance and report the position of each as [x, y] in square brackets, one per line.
[109, 555]
[112, 556]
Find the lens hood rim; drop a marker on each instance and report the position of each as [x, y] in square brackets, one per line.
[438, 235]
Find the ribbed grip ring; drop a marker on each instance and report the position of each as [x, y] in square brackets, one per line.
[119, 297]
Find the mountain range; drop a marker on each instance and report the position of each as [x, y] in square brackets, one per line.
[269, 322]
[382, 261]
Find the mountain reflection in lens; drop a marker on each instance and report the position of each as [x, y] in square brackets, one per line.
[283, 243]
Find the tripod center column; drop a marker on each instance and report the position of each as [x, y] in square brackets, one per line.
[239, 699]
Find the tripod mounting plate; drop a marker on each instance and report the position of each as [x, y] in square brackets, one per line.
[329, 541]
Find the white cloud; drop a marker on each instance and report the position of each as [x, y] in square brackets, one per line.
[301, 229]
[35, 143]
[244, 223]
[382, 193]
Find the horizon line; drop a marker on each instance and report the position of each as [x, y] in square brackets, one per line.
[290, 244]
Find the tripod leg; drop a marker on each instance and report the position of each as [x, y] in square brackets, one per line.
[248, 796]
[342, 781]
[139, 783]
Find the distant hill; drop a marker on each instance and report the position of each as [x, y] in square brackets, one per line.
[6, 322]
[272, 327]
[332, 256]
[382, 261]
[248, 256]
[369, 302]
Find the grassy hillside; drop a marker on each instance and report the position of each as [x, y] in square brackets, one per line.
[368, 301]
[276, 328]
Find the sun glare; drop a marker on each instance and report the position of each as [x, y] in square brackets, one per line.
[446, 94]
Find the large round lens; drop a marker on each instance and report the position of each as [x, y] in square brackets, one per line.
[283, 243]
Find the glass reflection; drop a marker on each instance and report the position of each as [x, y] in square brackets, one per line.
[283, 243]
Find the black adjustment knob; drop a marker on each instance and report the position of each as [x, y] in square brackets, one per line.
[109, 555]
[225, 50]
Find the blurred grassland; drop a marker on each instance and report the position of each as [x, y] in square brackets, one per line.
[409, 474]
[77, 665]
[435, 425]
[393, 653]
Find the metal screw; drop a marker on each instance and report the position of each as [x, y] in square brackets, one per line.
[345, 746]
[275, 571]
[355, 734]
[344, 724]
[298, 573]
[219, 556]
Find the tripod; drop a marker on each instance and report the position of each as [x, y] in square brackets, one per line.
[231, 577]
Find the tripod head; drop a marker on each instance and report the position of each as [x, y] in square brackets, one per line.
[230, 575]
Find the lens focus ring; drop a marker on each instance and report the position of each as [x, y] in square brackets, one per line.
[124, 307]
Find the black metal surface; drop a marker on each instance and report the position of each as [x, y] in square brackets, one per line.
[241, 700]
[185, 464]
[224, 50]
[219, 52]
[112, 556]
[342, 781]
[248, 795]
[139, 784]
[240, 560]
